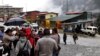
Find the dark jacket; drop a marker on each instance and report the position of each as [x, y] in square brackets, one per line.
[64, 37]
[75, 37]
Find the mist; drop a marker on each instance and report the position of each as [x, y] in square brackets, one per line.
[77, 5]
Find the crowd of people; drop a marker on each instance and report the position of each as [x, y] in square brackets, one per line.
[26, 42]
[30, 42]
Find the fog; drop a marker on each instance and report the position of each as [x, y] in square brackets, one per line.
[77, 5]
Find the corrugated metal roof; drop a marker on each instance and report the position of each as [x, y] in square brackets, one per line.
[64, 17]
[81, 21]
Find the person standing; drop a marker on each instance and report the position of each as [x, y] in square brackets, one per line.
[15, 34]
[75, 37]
[36, 36]
[1, 34]
[32, 41]
[1, 48]
[1, 37]
[40, 33]
[23, 45]
[56, 37]
[45, 45]
[7, 40]
[64, 38]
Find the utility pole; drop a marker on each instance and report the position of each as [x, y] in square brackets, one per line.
[67, 5]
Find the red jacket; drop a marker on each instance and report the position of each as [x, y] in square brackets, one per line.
[32, 40]
[29, 37]
[28, 31]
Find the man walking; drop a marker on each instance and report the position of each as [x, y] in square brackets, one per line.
[64, 38]
[75, 37]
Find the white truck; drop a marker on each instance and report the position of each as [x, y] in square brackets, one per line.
[90, 30]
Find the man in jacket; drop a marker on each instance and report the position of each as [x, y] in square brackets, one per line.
[45, 45]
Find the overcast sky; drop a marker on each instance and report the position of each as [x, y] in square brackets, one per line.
[53, 5]
[29, 5]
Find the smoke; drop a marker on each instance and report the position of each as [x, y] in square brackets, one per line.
[77, 5]
[97, 3]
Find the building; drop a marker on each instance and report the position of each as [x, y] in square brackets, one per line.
[45, 18]
[7, 11]
[42, 18]
[74, 20]
[83, 19]
[32, 16]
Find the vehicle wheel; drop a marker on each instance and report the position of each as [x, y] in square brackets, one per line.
[84, 33]
[93, 34]
[89, 34]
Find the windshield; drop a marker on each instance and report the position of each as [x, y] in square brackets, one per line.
[94, 29]
[89, 28]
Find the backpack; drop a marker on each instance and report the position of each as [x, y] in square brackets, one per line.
[23, 52]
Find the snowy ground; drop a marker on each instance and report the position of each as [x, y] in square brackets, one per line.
[83, 40]
[86, 46]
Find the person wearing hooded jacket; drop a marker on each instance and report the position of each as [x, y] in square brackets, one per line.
[21, 43]
[7, 40]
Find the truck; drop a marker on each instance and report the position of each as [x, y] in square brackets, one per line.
[90, 30]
